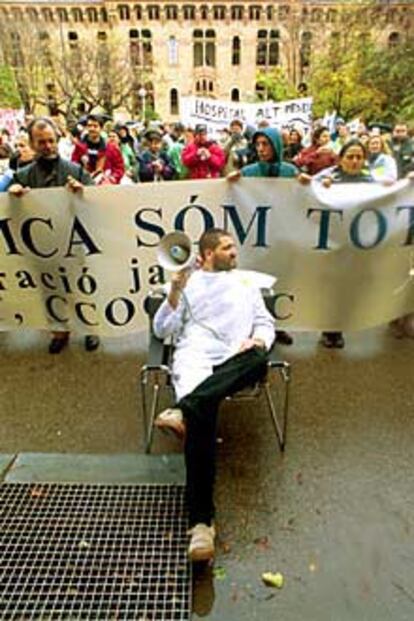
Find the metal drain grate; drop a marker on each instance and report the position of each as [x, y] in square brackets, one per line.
[93, 552]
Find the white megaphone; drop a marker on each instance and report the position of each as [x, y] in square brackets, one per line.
[175, 252]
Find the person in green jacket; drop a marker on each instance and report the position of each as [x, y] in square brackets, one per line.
[268, 144]
[182, 137]
[128, 155]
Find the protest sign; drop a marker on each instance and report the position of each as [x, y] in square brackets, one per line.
[343, 256]
[217, 114]
[11, 120]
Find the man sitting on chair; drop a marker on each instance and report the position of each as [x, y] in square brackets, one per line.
[222, 334]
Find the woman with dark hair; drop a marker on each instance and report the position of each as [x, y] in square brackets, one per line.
[319, 155]
[351, 168]
[294, 145]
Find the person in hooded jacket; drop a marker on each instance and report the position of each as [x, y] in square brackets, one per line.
[269, 146]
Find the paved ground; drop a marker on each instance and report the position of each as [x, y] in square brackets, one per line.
[335, 515]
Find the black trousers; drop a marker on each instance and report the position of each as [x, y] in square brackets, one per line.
[200, 409]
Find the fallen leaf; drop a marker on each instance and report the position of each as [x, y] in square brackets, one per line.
[273, 579]
[219, 573]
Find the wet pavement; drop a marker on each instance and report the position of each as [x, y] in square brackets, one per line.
[334, 514]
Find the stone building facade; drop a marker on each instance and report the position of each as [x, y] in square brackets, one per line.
[184, 47]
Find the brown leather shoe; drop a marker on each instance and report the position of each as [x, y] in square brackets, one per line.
[284, 338]
[201, 546]
[58, 343]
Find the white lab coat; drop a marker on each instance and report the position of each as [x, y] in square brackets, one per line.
[217, 312]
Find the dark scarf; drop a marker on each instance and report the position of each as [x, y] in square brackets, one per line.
[93, 151]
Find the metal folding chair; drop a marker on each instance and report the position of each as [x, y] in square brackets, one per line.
[155, 376]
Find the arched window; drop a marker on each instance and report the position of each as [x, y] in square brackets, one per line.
[236, 51]
[34, 16]
[174, 106]
[138, 12]
[73, 39]
[189, 12]
[254, 12]
[210, 48]
[219, 12]
[147, 47]
[204, 48]
[172, 51]
[283, 12]
[73, 45]
[47, 15]
[305, 49]
[267, 51]
[260, 91]
[331, 16]
[17, 56]
[17, 15]
[153, 12]
[134, 48]
[235, 94]
[335, 42]
[269, 13]
[62, 15]
[123, 12]
[204, 11]
[316, 15]
[92, 15]
[198, 48]
[104, 15]
[391, 16]
[171, 11]
[77, 15]
[236, 12]
[394, 39]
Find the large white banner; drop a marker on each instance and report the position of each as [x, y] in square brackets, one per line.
[343, 256]
[217, 114]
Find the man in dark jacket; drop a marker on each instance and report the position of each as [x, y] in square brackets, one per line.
[402, 148]
[49, 170]
[154, 162]
[102, 160]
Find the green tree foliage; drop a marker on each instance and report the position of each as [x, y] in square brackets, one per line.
[338, 81]
[357, 75]
[391, 70]
[9, 95]
[275, 85]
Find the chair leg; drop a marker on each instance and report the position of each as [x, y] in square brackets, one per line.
[148, 419]
[143, 383]
[280, 427]
[286, 375]
[275, 420]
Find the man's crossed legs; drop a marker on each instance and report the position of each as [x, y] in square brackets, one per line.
[199, 411]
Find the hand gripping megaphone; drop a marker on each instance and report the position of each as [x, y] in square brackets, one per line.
[175, 252]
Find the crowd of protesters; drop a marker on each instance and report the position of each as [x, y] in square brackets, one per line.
[129, 153]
